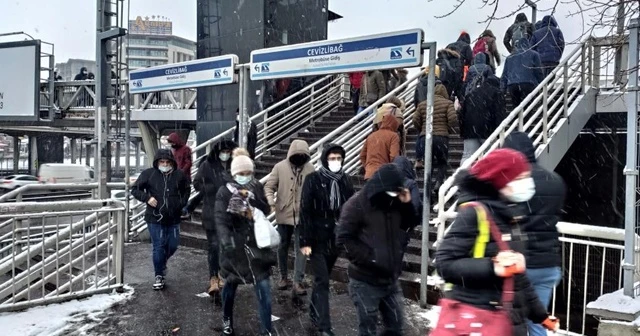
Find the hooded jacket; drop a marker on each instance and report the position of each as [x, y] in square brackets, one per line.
[480, 67]
[483, 110]
[473, 280]
[523, 66]
[212, 174]
[287, 180]
[463, 47]
[381, 146]
[548, 40]
[182, 153]
[451, 69]
[241, 262]
[444, 114]
[81, 75]
[521, 18]
[490, 47]
[374, 228]
[543, 210]
[409, 173]
[171, 190]
[317, 218]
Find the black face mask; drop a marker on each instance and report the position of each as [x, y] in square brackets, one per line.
[298, 159]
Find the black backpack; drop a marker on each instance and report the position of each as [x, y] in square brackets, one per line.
[474, 84]
[451, 69]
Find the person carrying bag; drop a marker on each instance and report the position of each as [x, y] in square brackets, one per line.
[480, 257]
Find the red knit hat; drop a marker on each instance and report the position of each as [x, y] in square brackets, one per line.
[500, 167]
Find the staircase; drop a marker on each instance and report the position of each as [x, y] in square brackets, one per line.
[552, 115]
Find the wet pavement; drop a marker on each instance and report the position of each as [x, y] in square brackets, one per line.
[178, 310]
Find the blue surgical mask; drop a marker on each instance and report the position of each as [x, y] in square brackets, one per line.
[165, 169]
[242, 180]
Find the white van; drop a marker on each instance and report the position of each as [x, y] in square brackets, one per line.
[64, 173]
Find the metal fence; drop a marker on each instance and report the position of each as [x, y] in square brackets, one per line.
[592, 258]
[59, 251]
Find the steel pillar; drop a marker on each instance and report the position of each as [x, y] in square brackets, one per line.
[16, 154]
[72, 149]
[426, 210]
[631, 167]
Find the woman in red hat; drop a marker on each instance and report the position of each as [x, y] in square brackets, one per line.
[480, 256]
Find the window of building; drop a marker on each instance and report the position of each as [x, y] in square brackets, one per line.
[155, 42]
[137, 52]
[138, 63]
[158, 53]
[135, 41]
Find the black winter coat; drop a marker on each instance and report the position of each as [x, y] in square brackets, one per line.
[212, 174]
[316, 216]
[483, 110]
[543, 210]
[252, 138]
[474, 281]
[374, 227]
[463, 47]
[171, 190]
[241, 262]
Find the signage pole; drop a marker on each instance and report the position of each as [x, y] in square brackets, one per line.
[426, 210]
[101, 103]
[242, 81]
[631, 168]
[244, 117]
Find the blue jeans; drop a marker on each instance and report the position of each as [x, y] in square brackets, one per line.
[543, 280]
[263, 294]
[369, 300]
[165, 240]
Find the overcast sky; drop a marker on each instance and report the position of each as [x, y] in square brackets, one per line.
[70, 24]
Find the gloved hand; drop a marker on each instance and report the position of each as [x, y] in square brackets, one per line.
[508, 263]
[552, 323]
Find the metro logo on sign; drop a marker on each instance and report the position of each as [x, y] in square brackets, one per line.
[197, 73]
[374, 52]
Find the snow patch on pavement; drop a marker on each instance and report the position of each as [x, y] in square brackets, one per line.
[55, 319]
[428, 316]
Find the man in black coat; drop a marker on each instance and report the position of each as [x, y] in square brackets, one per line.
[323, 194]
[212, 174]
[165, 189]
[543, 252]
[373, 229]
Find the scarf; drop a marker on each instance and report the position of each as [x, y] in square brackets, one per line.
[335, 198]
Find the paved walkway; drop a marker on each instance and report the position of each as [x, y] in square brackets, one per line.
[178, 310]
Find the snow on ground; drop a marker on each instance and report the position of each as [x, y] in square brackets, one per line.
[55, 319]
[429, 315]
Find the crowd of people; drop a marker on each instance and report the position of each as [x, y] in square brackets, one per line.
[500, 257]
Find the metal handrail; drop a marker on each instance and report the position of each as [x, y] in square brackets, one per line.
[55, 186]
[571, 78]
[321, 101]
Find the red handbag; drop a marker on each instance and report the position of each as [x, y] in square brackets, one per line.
[457, 318]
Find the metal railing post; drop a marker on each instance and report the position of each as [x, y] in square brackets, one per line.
[265, 130]
[545, 114]
[426, 211]
[565, 91]
[583, 68]
[631, 167]
[595, 80]
[312, 108]
[119, 246]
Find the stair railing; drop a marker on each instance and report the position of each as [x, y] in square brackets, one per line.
[362, 122]
[295, 112]
[538, 115]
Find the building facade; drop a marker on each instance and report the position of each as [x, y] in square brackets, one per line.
[152, 43]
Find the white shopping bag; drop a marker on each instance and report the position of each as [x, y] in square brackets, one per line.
[266, 234]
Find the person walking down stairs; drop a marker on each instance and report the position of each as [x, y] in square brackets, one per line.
[323, 195]
[286, 179]
[381, 146]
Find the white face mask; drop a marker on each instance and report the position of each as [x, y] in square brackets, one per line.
[242, 180]
[165, 169]
[392, 193]
[335, 166]
[224, 157]
[521, 190]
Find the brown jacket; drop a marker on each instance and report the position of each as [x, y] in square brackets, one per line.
[444, 114]
[287, 180]
[372, 81]
[381, 146]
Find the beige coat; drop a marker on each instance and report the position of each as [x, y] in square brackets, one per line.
[287, 180]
